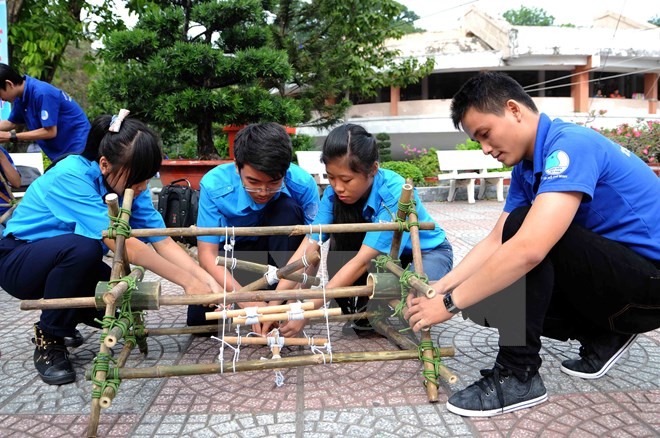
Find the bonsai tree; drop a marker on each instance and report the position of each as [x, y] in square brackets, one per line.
[195, 63]
[384, 146]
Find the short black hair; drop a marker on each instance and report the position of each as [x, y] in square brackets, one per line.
[264, 146]
[354, 141]
[488, 92]
[9, 74]
[135, 147]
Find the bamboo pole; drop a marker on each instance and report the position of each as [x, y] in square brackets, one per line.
[282, 230]
[213, 328]
[116, 273]
[260, 365]
[431, 387]
[231, 297]
[414, 282]
[119, 266]
[292, 342]
[404, 198]
[113, 207]
[443, 371]
[7, 214]
[109, 392]
[261, 310]
[121, 287]
[241, 320]
[262, 283]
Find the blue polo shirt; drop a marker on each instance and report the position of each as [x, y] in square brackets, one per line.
[621, 194]
[68, 199]
[41, 106]
[223, 202]
[3, 188]
[382, 206]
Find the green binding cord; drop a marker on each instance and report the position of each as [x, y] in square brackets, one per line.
[380, 262]
[119, 226]
[102, 363]
[430, 375]
[404, 281]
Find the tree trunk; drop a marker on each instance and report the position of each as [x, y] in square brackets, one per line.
[205, 147]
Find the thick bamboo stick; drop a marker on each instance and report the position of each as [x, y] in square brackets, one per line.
[261, 310]
[7, 214]
[260, 365]
[116, 333]
[431, 387]
[404, 198]
[283, 230]
[285, 316]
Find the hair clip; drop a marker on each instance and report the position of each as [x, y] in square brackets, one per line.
[115, 123]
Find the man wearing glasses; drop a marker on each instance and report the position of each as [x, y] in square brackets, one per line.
[262, 188]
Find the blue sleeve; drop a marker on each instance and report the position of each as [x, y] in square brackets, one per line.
[16, 115]
[568, 168]
[50, 109]
[208, 215]
[516, 196]
[310, 201]
[324, 215]
[144, 215]
[381, 241]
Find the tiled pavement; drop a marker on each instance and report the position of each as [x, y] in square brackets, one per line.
[383, 399]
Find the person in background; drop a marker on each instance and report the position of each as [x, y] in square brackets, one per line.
[53, 245]
[11, 177]
[361, 192]
[51, 117]
[261, 188]
[579, 238]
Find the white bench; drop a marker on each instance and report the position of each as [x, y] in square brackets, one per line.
[310, 161]
[31, 159]
[465, 167]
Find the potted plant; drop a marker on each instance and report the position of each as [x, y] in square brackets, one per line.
[425, 160]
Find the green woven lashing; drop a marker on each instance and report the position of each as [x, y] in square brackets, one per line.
[102, 363]
[434, 374]
[119, 226]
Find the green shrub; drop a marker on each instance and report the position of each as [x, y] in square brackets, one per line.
[384, 146]
[406, 170]
[302, 142]
[469, 145]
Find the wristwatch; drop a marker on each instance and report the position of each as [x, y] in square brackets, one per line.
[12, 136]
[449, 303]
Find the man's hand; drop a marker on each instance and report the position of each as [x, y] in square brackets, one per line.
[291, 329]
[424, 312]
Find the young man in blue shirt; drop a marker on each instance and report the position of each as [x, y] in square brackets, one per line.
[52, 118]
[580, 227]
[262, 188]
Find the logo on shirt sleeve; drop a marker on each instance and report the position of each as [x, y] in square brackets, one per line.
[44, 115]
[557, 163]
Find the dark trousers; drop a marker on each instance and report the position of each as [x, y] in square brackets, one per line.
[272, 250]
[58, 267]
[586, 286]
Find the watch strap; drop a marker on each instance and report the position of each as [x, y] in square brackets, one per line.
[12, 136]
[449, 303]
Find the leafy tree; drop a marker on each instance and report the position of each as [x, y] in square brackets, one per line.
[41, 30]
[196, 63]
[336, 49]
[528, 17]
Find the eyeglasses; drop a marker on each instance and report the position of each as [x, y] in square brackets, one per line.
[266, 190]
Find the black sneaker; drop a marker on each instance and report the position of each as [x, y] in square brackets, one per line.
[51, 359]
[498, 392]
[74, 341]
[598, 355]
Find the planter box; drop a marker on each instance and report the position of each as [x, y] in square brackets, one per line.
[192, 170]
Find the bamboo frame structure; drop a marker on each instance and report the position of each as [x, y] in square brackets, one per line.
[379, 286]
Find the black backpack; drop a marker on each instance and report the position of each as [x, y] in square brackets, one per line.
[178, 206]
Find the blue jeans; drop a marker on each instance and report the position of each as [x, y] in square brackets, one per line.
[436, 262]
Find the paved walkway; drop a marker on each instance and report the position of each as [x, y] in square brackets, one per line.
[377, 399]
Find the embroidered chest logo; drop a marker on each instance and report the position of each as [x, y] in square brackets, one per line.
[557, 163]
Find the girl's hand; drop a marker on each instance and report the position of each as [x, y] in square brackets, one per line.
[291, 329]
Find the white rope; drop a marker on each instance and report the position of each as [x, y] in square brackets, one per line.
[328, 344]
[296, 312]
[229, 248]
[271, 275]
